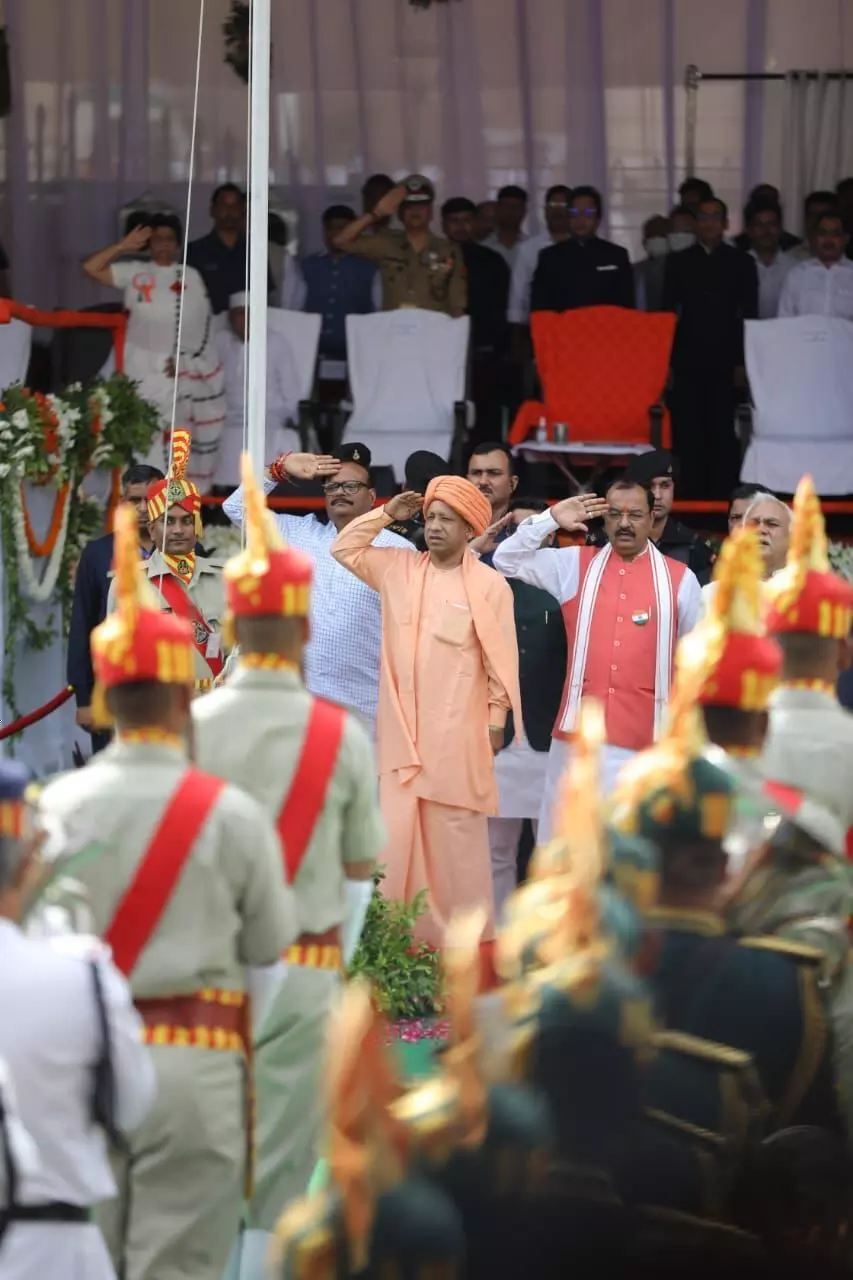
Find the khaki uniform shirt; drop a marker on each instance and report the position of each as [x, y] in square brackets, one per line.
[207, 592]
[230, 907]
[809, 746]
[251, 731]
[433, 280]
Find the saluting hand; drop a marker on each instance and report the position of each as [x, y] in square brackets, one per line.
[308, 466]
[572, 513]
[404, 505]
[136, 239]
[390, 203]
[487, 541]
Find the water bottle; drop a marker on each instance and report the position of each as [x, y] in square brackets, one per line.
[542, 432]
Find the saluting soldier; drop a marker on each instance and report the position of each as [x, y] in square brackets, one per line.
[187, 891]
[759, 995]
[310, 765]
[189, 585]
[809, 745]
[417, 268]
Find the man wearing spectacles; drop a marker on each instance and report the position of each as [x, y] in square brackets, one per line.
[624, 607]
[712, 288]
[584, 270]
[341, 660]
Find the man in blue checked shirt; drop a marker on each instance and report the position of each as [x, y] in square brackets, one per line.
[342, 656]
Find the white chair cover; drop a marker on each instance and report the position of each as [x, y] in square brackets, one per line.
[292, 341]
[16, 340]
[801, 376]
[406, 370]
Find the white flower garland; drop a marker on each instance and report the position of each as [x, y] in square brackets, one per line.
[39, 592]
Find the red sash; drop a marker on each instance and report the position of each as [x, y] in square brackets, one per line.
[179, 601]
[146, 897]
[307, 795]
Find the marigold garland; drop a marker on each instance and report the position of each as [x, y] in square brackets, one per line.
[45, 547]
[55, 441]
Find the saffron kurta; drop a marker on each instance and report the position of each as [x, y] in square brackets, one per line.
[449, 669]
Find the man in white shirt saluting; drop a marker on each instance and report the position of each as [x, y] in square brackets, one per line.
[342, 656]
[624, 606]
[822, 286]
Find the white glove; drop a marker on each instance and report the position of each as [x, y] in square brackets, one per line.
[359, 893]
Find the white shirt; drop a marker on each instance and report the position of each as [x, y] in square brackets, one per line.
[771, 279]
[557, 569]
[293, 286]
[811, 289]
[523, 271]
[509, 255]
[342, 656]
[50, 1040]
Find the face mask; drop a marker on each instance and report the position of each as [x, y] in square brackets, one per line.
[679, 240]
[657, 246]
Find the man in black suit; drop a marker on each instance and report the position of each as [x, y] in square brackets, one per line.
[583, 271]
[713, 289]
[488, 294]
[91, 588]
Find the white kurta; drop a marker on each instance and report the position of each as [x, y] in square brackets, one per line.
[152, 296]
[50, 1039]
[282, 401]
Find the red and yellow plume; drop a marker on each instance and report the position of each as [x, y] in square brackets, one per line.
[176, 490]
[731, 642]
[267, 577]
[136, 642]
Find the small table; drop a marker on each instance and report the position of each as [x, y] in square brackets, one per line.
[600, 455]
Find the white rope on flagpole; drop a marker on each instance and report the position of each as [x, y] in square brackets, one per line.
[186, 229]
[259, 190]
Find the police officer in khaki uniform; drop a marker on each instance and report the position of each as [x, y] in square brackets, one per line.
[188, 585]
[418, 268]
[187, 890]
[311, 767]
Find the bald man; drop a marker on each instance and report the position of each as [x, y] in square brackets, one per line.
[449, 676]
[771, 518]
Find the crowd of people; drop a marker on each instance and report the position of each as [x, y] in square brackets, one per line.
[400, 687]
[481, 263]
[648, 1043]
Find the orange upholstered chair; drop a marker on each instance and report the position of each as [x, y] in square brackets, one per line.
[603, 372]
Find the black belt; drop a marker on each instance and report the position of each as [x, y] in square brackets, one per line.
[55, 1211]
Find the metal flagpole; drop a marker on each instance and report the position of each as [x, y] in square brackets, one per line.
[259, 193]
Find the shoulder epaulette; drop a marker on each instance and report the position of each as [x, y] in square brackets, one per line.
[705, 1050]
[799, 951]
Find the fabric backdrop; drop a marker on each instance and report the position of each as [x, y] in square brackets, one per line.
[474, 93]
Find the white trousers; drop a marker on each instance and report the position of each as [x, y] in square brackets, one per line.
[558, 760]
[504, 835]
[54, 1251]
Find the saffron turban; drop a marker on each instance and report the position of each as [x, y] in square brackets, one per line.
[463, 498]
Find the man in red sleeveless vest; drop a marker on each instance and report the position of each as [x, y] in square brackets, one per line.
[310, 765]
[189, 586]
[187, 891]
[624, 607]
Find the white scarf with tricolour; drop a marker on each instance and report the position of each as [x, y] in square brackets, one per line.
[667, 629]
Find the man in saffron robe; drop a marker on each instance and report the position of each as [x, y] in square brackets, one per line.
[448, 678]
[624, 607]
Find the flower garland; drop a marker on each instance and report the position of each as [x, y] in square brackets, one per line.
[55, 441]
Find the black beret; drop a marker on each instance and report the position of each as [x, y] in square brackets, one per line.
[644, 467]
[423, 466]
[354, 453]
